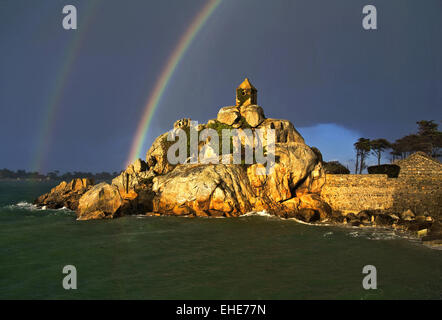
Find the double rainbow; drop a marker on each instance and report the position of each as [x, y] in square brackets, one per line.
[44, 137]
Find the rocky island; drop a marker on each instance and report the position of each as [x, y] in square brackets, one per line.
[296, 187]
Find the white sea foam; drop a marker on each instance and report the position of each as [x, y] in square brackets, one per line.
[23, 205]
[257, 213]
[300, 221]
[434, 247]
[327, 234]
[322, 224]
[380, 234]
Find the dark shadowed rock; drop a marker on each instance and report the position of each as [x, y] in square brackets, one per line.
[351, 218]
[364, 217]
[407, 215]
[337, 217]
[413, 226]
[65, 194]
[384, 220]
[434, 238]
[308, 215]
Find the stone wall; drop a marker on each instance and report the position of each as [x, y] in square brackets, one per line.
[418, 187]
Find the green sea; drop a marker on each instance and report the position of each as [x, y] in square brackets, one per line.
[252, 257]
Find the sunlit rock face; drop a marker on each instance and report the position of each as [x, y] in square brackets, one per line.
[287, 188]
[156, 157]
[232, 190]
[228, 115]
[252, 114]
[295, 163]
[203, 190]
[244, 116]
[101, 202]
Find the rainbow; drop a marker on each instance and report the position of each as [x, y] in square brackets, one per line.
[166, 74]
[44, 136]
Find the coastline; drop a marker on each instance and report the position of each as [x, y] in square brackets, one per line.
[370, 229]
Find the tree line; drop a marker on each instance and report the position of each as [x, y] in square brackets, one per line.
[428, 139]
[55, 175]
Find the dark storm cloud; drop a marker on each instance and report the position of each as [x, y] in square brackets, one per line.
[311, 61]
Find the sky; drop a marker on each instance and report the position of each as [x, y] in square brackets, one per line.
[71, 100]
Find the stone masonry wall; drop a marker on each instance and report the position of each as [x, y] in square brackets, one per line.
[418, 187]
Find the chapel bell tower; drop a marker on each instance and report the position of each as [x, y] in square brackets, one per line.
[246, 94]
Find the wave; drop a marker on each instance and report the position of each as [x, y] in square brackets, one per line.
[369, 233]
[258, 214]
[327, 234]
[23, 205]
[377, 234]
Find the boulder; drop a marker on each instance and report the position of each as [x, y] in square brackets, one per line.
[421, 219]
[284, 131]
[139, 166]
[65, 194]
[134, 176]
[422, 233]
[352, 218]
[253, 115]
[384, 220]
[135, 187]
[412, 225]
[156, 156]
[228, 115]
[364, 217]
[313, 182]
[294, 162]
[434, 238]
[314, 202]
[337, 217]
[101, 201]
[373, 212]
[308, 215]
[203, 190]
[291, 205]
[407, 215]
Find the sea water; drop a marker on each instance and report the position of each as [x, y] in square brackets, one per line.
[252, 257]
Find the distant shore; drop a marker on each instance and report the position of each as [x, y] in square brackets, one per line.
[56, 176]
